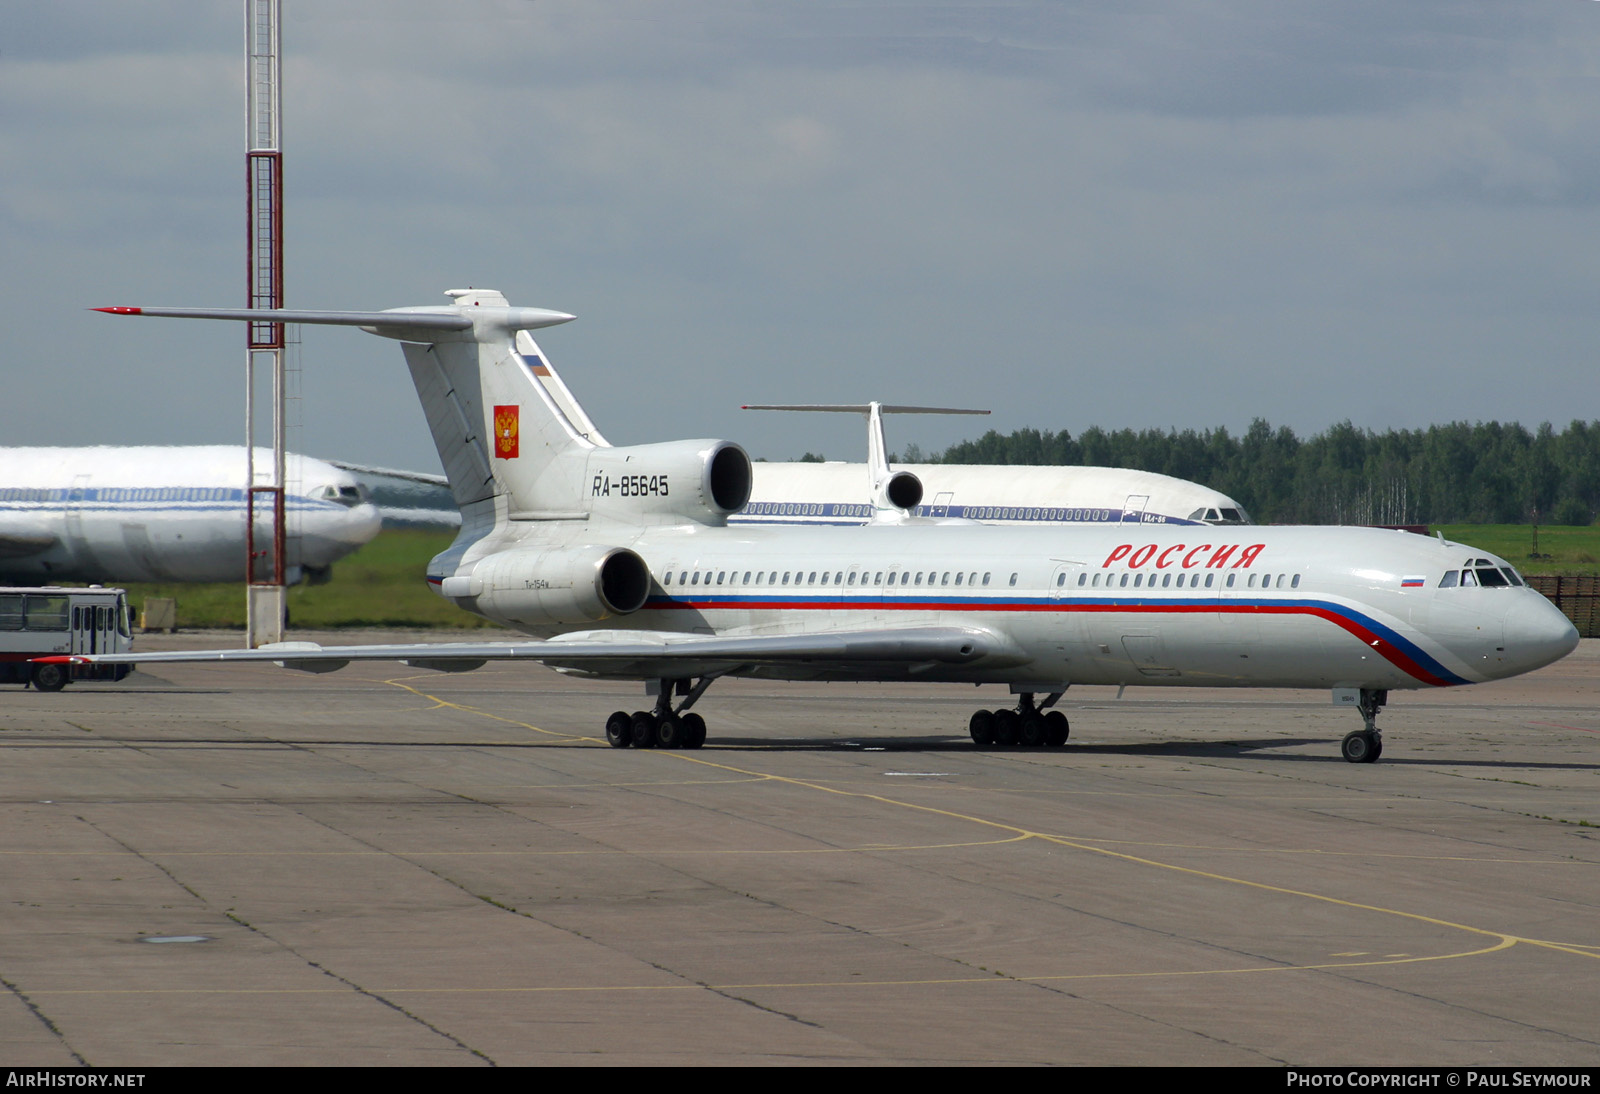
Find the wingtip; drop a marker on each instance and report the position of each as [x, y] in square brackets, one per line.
[120, 311]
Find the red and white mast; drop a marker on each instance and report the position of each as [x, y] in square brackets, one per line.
[265, 535]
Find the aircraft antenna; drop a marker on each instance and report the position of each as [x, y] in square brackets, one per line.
[265, 536]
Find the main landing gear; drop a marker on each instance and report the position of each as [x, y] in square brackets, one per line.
[1027, 725]
[1364, 746]
[662, 727]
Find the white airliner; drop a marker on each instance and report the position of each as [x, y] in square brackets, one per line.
[115, 515]
[830, 493]
[622, 559]
[817, 493]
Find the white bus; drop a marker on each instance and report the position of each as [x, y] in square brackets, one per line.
[40, 621]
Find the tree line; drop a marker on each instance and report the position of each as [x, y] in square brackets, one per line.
[1481, 472]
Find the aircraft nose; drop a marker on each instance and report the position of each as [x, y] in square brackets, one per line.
[1536, 633]
[361, 524]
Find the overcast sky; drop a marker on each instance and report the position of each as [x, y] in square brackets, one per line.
[1173, 214]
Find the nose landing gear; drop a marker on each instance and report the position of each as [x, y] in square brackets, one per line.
[1364, 746]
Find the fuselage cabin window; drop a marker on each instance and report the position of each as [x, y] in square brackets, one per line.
[1013, 579]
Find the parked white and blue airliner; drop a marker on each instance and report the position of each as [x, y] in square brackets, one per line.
[622, 562]
[119, 514]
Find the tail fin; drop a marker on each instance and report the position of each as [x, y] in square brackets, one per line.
[545, 373]
[499, 430]
[890, 490]
[507, 446]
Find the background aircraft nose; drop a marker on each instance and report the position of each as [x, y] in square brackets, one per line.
[360, 525]
[1536, 633]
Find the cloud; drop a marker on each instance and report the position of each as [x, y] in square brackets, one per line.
[1181, 214]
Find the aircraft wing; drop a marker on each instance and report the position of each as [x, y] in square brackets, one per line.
[407, 499]
[624, 653]
[422, 478]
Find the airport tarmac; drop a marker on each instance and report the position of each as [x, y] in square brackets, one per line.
[392, 866]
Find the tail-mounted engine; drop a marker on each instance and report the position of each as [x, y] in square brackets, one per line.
[901, 490]
[560, 585]
[703, 481]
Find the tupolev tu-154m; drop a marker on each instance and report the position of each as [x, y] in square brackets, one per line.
[621, 564]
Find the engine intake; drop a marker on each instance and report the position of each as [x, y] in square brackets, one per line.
[903, 490]
[561, 585]
[702, 481]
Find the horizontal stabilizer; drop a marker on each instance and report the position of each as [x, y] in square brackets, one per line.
[432, 318]
[861, 408]
[439, 319]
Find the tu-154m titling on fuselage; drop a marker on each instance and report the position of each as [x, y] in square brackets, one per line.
[622, 564]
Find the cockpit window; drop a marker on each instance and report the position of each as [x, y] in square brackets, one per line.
[1481, 572]
[348, 496]
[1220, 516]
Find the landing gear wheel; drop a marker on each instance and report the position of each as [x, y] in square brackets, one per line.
[1006, 727]
[669, 731]
[1056, 729]
[1031, 731]
[981, 726]
[643, 725]
[1361, 747]
[619, 730]
[694, 730]
[50, 677]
